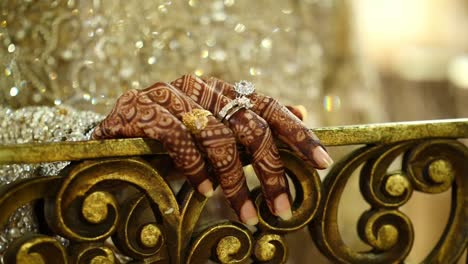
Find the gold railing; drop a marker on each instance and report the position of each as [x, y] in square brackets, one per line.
[119, 189]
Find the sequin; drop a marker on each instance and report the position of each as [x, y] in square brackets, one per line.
[239, 28]
[151, 60]
[11, 48]
[139, 44]
[14, 91]
[7, 71]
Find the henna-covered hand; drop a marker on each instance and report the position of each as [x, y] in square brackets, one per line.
[252, 130]
[157, 111]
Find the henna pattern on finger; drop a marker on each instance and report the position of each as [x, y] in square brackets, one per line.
[132, 116]
[251, 130]
[215, 139]
[221, 148]
[285, 125]
[254, 133]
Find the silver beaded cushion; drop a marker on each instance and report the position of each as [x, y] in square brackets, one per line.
[37, 124]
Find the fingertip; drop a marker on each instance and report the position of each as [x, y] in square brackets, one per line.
[206, 188]
[298, 110]
[209, 193]
[285, 215]
[248, 213]
[322, 158]
[283, 207]
[252, 221]
[301, 109]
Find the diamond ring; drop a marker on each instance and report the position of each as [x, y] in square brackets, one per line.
[243, 89]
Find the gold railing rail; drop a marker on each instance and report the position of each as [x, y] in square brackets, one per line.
[329, 136]
[111, 192]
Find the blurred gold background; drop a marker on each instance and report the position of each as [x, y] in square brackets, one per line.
[348, 62]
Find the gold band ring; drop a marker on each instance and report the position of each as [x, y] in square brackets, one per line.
[196, 120]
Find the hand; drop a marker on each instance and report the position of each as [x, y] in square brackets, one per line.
[157, 111]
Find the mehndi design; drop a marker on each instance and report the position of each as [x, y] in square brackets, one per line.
[284, 124]
[215, 139]
[158, 112]
[137, 116]
[252, 132]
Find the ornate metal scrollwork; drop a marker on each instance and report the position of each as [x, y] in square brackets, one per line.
[270, 248]
[428, 166]
[91, 205]
[233, 243]
[434, 167]
[128, 201]
[308, 194]
[113, 207]
[94, 253]
[32, 248]
[224, 242]
[139, 234]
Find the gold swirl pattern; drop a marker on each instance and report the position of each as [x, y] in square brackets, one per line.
[150, 235]
[226, 247]
[308, 194]
[94, 207]
[325, 230]
[233, 243]
[383, 229]
[374, 175]
[125, 200]
[386, 229]
[140, 233]
[93, 253]
[417, 164]
[396, 184]
[35, 249]
[270, 248]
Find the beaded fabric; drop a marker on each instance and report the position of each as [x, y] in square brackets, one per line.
[35, 125]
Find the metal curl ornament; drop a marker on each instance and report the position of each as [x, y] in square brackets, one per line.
[306, 203]
[140, 234]
[389, 231]
[229, 242]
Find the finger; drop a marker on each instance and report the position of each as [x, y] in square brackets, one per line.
[133, 117]
[298, 110]
[216, 140]
[284, 124]
[221, 149]
[252, 132]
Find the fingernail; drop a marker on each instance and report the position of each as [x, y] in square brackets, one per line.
[248, 214]
[282, 207]
[206, 188]
[322, 158]
[252, 221]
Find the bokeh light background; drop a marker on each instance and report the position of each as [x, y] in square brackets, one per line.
[347, 62]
